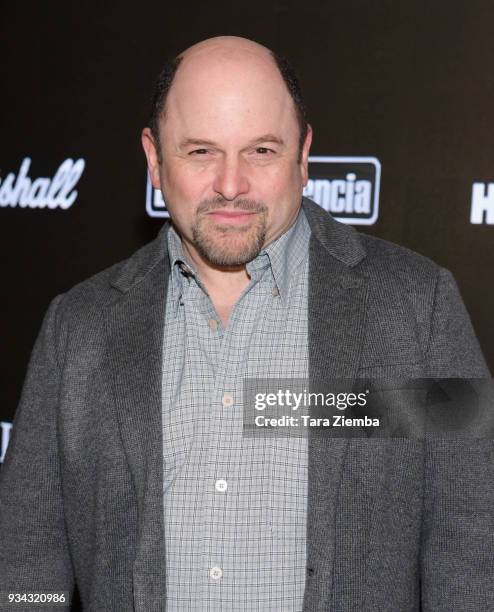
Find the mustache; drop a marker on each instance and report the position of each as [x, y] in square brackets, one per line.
[244, 204]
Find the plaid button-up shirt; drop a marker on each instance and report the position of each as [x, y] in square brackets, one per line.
[235, 507]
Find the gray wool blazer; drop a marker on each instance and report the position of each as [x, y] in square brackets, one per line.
[396, 525]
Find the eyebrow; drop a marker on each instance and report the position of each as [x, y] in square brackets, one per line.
[209, 143]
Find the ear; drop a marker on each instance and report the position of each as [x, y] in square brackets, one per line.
[151, 151]
[304, 162]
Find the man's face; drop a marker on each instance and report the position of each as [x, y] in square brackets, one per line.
[230, 174]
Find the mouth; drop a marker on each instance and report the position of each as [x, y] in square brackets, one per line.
[231, 217]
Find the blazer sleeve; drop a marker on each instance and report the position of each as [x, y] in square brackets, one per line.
[453, 351]
[457, 552]
[34, 551]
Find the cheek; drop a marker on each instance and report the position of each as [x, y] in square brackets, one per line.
[283, 184]
[184, 185]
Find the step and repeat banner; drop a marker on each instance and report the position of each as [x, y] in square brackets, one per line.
[399, 94]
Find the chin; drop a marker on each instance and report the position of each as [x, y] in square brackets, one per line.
[230, 251]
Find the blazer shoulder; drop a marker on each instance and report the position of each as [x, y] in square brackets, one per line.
[373, 256]
[411, 299]
[387, 260]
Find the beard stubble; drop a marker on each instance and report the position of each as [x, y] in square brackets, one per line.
[226, 245]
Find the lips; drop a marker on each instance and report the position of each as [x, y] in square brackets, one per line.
[226, 216]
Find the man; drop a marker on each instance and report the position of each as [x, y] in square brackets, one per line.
[128, 473]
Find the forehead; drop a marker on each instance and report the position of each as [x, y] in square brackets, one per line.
[229, 92]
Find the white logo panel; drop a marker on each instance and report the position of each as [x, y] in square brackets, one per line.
[347, 187]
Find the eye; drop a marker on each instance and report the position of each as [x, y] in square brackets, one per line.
[264, 151]
[199, 152]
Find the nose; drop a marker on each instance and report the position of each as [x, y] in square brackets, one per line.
[231, 180]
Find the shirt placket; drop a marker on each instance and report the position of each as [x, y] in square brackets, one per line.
[224, 437]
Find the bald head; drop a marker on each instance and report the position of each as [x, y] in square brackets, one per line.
[226, 45]
[226, 67]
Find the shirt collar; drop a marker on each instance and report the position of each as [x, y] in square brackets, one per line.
[282, 256]
[286, 253]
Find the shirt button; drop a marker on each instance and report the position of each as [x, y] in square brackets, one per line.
[227, 400]
[216, 572]
[213, 324]
[275, 291]
[221, 485]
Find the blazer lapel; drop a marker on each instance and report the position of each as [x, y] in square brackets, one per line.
[135, 332]
[336, 311]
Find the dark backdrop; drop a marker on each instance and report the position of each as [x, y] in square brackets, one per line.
[410, 83]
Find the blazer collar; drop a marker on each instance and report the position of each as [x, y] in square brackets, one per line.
[135, 269]
[340, 241]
